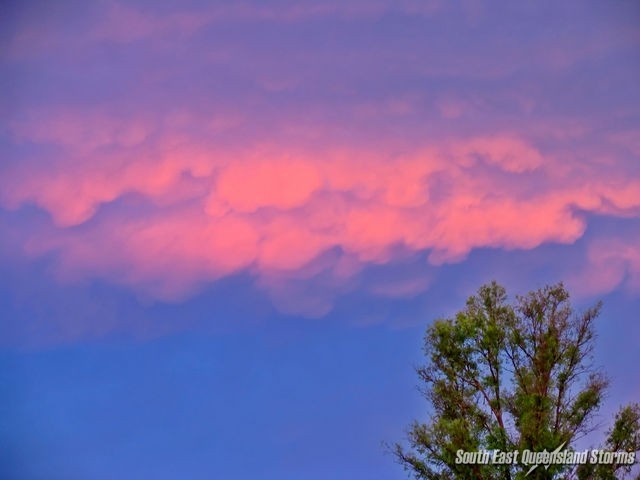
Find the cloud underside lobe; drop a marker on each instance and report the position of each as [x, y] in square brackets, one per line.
[167, 219]
[206, 155]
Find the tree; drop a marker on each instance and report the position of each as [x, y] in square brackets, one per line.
[512, 377]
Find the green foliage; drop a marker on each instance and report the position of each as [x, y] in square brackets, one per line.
[510, 377]
[623, 436]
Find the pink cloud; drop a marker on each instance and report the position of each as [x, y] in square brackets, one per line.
[279, 182]
[611, 263]
[205, 212]
[164, 256]
[80, 130]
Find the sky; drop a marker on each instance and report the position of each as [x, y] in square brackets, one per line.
[225, 226]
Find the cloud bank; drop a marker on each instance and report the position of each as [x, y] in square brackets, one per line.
[169, 152]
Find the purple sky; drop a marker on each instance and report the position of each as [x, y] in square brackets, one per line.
[225, 226]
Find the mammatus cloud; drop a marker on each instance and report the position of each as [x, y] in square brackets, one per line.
[612, 262]
[176, 146]
[165, 214]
